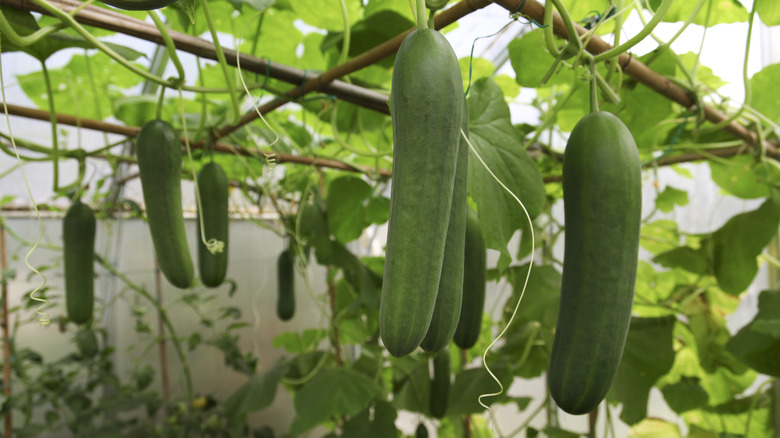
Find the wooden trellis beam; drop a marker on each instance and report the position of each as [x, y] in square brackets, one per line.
[637, 70]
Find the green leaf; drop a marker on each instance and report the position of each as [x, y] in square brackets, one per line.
[331, 393]
[346, 218]
[531, 61]
[648, 355]
[257, 393]
[542, 295]
[762, 91]
[758, 342]
[326, 14]
[684, 395]
[378, 210]
[659, 236]
[470, 384]
[654, 427]
[737, 244]
[498, 143]
[297, 343]
[411, 384]
[721, 11]
[377, 422]
[685, 257]
[768, 11]
[314, 226]
[669, 198]
[739, 176]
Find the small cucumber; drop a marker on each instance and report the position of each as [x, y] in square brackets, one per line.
[159, 166]
[602, 199]
[285, 302]
[421, 432]
[213, 185]
[474, 279]
[427, 110]
[447, 310]
[440, 384]
[78, 235]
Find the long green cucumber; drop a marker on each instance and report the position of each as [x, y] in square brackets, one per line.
[602, 201]
[440, 384]
[78, 236]
[474, 280]
[213, 185]
[446, 311]
[427, 109]
[159, 166]
[285, 301]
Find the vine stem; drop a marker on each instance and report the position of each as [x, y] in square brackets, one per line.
[636, 39]
[166, 389]
[221, 57]
[422, 22]
[55, 144]
[163, 316]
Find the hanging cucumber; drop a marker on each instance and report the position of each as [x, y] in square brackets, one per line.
[440, 384]
[446, 311]
[78, 235]
[427, 109]
[213, 185]
[602, 211]
[474, 279]
[285, 301]
[159, 166]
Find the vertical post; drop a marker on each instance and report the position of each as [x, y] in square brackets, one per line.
[6, 337]
[161, 327]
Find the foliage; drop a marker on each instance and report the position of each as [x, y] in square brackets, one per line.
[720, 382]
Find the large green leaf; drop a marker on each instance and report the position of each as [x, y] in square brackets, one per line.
[498, 143]
[671, 197]
[257, 393]
[531, 61]
[648, 355]
[762, 91]
[721, 11]
[346, 218]
[377, 421]
[758, 343]
[736, 245]
[411, 384]
[332, 393]
[740, 176]
[326, 14]
[472, 383]
[768, 11]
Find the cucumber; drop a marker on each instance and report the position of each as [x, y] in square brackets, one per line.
[421, 431]
[138, 5]
[159, 166]
[440, 384]
[78, 236]
[474, 279]
[602, 201]
[285, 269]
[446, 311]
[427, 108]
[213, 185]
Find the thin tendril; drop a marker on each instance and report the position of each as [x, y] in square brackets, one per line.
[43, 317]
[522, 293]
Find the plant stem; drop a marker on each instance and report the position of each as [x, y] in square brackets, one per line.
[221, 58]
[422, 23]
[615, 51]
[53, 120]
[163, 316]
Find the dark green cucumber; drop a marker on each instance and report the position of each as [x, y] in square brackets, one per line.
[138, 5]
[427, 109]
[213, 185]
[440, 384]
[602, 201]
[474, 279]
[447, 310]
[159, 166]
[285, 301]
[78, 236]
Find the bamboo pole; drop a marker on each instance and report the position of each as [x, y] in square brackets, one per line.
[6, 334]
